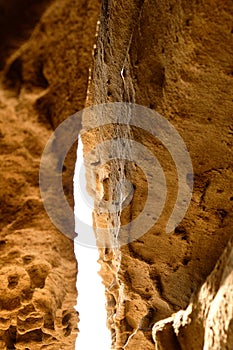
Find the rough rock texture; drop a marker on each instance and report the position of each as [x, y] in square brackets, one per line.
[174, 57]
[208, 321]
[45, 57]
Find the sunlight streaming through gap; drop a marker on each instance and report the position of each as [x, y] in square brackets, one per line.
[93, 332]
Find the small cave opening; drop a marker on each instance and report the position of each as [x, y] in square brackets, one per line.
[91, 303]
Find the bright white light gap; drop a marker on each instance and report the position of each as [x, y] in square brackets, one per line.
[93, 332]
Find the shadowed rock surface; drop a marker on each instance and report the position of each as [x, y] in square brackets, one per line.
[45, 57]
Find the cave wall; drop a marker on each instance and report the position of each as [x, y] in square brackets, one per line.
[174, 57]
[45, 56]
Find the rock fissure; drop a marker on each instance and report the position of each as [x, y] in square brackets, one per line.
[174, 57]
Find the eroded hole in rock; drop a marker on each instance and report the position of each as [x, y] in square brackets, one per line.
[91, 294]
[13, 281]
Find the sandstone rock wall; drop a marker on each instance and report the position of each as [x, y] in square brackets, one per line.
[207, 322]
[45, 57]
[174, 57]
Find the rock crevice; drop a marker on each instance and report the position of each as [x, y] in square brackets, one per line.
[175, 58]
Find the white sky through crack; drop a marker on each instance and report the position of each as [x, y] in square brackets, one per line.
[93, 332]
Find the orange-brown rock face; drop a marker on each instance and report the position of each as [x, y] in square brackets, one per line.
[175, 58]
[207, 322]
[45, 57]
